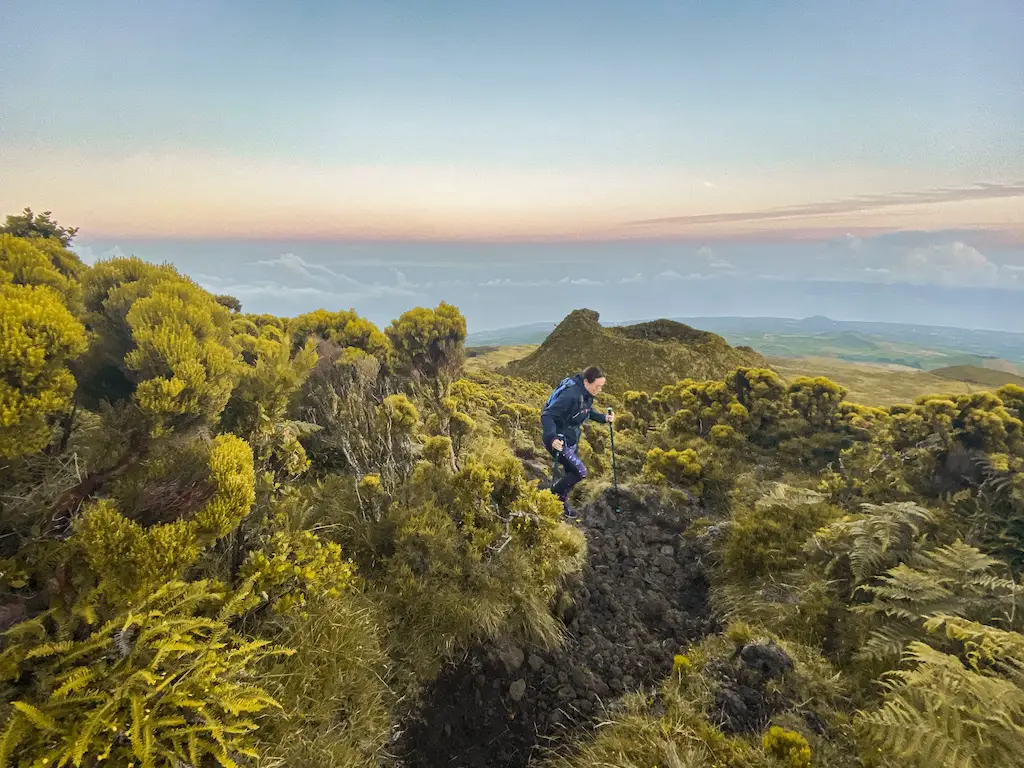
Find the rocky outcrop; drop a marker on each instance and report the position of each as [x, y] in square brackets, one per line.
[642, 596]
[644, 357]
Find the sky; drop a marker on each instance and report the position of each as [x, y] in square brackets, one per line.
[735, 144]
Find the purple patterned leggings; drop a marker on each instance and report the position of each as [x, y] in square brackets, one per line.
[574, 472]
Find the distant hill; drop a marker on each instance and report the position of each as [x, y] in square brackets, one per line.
[986, 377]
[913, 346]
[919, 346]
[644, 356]
[534, 333]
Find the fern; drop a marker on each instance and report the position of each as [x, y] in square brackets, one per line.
[996, 511]
[954, 711]
[955, 580]
[858, 548]
[158, 685]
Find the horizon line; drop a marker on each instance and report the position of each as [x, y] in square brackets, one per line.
[1010, 235]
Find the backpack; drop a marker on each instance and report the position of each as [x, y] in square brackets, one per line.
[566, 382]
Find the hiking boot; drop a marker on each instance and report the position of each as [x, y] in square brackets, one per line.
[570, 513]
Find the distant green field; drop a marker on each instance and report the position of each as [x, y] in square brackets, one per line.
[853, 347]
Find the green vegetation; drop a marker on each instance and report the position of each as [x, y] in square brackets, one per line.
[241, 540]
[234, 539]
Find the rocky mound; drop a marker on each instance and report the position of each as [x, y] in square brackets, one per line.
[641, 597]
[645, 356]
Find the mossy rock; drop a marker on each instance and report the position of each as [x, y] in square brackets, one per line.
[643, 357]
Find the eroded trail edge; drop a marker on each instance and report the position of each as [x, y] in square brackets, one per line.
[642, 596]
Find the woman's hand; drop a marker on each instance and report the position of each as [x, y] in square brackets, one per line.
[557, 444]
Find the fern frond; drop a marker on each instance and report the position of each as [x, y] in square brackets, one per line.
[14, 733]
[149, 684]
[939, 713]
[73, 681]
[37, 717]
[50, 649]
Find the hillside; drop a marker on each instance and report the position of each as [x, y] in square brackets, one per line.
[873, 383]
[645, 356]
[987, 377]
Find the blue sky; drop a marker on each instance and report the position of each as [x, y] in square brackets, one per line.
[791, 140]
[486, 119]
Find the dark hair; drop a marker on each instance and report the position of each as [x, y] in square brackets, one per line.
[592, 374]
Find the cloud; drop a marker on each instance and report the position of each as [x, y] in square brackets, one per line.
[858, 204]
[295, 263]
[707, 253]
[431, 284]
[328, 282]
[952, 263]
[90, 256]
[354, 292]
[509, 283]
[402, 280]
[581, 281]
[850, 242]
[637, 278]
[671, 274]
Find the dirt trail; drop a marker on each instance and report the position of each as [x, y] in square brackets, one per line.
[641, 597]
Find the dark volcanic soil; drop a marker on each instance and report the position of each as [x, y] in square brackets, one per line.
[641, 597]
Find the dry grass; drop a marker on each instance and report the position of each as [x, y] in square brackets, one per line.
[496, 358]
[871, 384]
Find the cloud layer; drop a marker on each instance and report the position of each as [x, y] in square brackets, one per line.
[857, 204]
[505, 285]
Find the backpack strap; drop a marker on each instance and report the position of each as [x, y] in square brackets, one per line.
[566, 382]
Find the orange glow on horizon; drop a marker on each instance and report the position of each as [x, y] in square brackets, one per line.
[220, 196]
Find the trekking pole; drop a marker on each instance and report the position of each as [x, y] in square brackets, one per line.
[554, 468]
[615, 476]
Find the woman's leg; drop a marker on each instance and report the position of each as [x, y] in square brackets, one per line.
[575, 471]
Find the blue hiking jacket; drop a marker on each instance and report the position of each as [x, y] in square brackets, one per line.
[566, 414]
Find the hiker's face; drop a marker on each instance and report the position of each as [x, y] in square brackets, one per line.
[594, 387]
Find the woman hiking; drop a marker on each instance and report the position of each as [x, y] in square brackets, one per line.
[568, 407]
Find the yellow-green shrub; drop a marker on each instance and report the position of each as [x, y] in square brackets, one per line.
[162, 683]
[41, 262]
[788, 747]
[37, 338]
[680, 468]
[128, 560]
[291, 566]
[769, 538]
